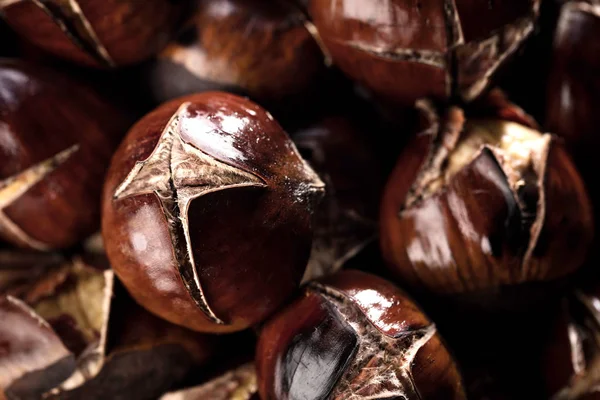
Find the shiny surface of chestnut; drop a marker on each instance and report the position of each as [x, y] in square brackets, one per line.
[354, 335]
[476, 204]
[207, 212]
[56, 140]
[404, 50]
[252, 47]
[104, 33]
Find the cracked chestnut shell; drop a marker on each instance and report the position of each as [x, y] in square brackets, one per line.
[207, 212]
[480, 203]
[354, 336]
[572, 358]
[104, 33]
[252, 47]
[404, 50]
[56, 140]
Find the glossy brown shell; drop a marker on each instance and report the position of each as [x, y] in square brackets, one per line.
[404, 50]
[469, 235]
[250, 243]
[314, 349]
[219, 48]
[44, 115]
[104, 33]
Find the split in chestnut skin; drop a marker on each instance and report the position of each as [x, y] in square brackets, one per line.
[57, 139]
[106, 33]
[251, 47]
[475, 205]
[404, 50]
[354, 335]
[207, 212]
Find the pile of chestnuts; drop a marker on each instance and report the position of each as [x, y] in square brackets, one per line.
[299, 199]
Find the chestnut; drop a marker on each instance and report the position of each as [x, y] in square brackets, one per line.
[572, 358]
[56, 140]
[207, 212]
[252, 47]
[405, 50]
[75, 333]
[479, 204]
[574, 87]
[354, 336]
[346, 220]
[104, 33]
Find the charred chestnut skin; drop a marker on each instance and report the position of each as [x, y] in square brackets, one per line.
[405, 50]
[354, 334]
[477, 232]
[101, 34]
[215, 233]
[57, 140]
[219, 47]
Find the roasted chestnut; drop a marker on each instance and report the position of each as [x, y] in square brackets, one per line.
[354, 335]
[104, 33]
[477, 204]
[74, 333]
[572, 361]
[56, 140]
[207, 212]
[346, 221]
[405, 50]
[258, 48]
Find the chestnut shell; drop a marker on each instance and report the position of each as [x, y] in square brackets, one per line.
[105, 33]
[215, 233]
[404, 50]
[354, 335]
[57, 137]
[474, 234]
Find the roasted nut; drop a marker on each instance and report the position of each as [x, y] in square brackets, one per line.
[354, 335]
[404, 50]
[56, 140]
[108, 33]
[257, 48]
[346, 221]
[207, 212]
[572, 362]
[474, 205]
[76, 333]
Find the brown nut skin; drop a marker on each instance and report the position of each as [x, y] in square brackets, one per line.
[404, 50]
[105, 33]
[220, 47]
[513, 211]
[354, 335]
[57, 138]
[207, 212]
[574, 86]
[572, 359]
